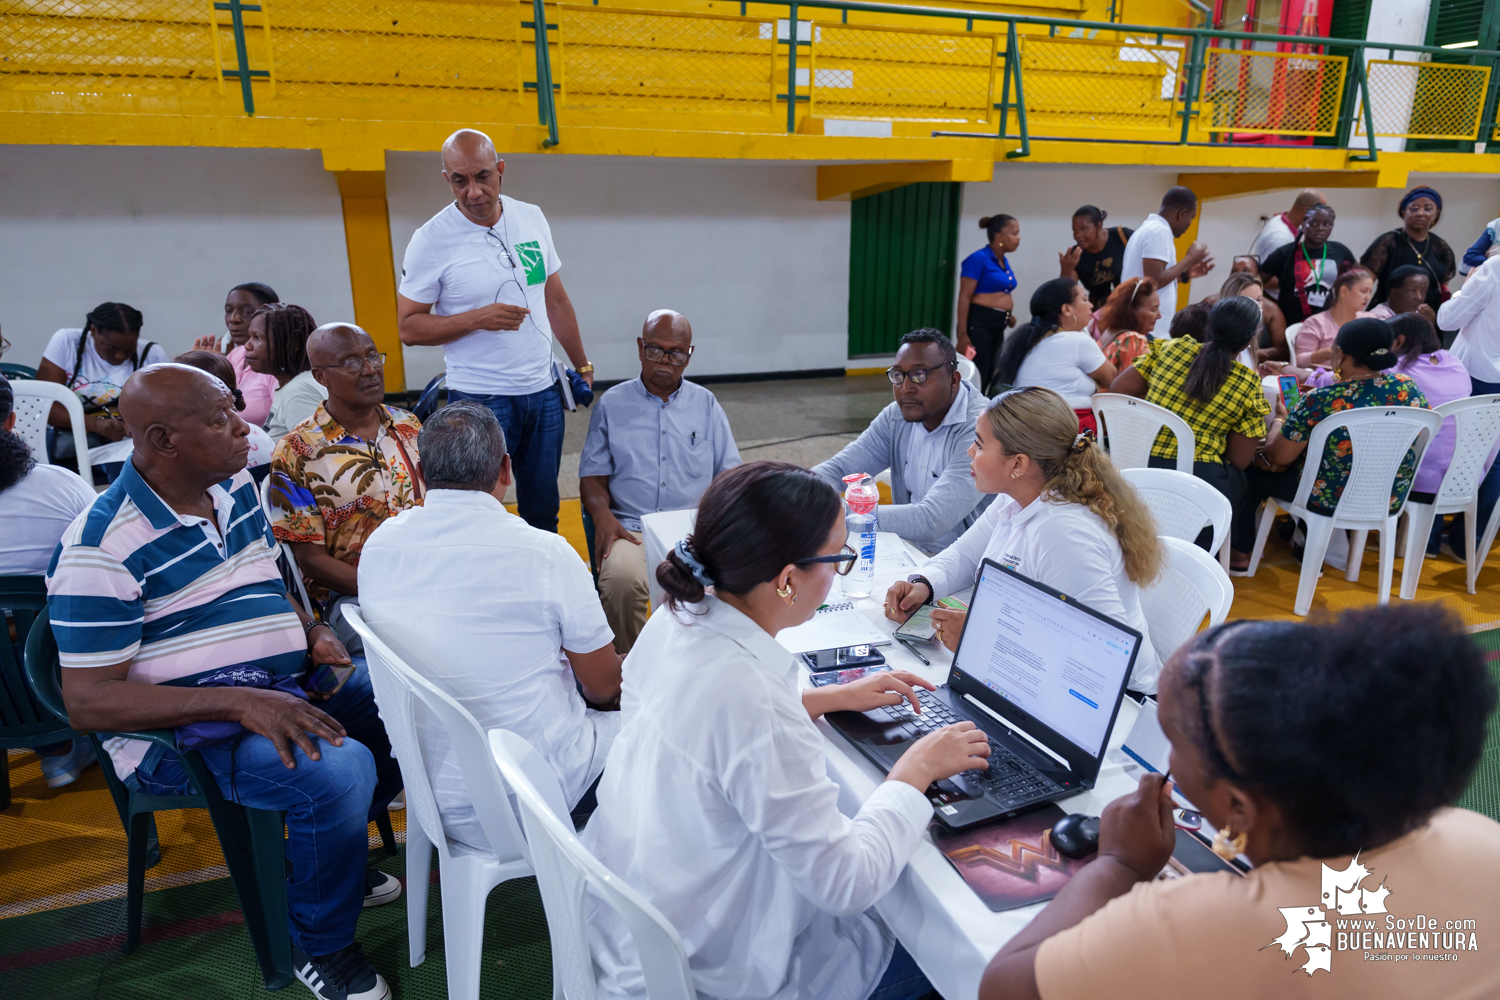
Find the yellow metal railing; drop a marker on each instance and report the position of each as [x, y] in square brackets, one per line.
[900, 64]
[1423, 100]
[1273, 93]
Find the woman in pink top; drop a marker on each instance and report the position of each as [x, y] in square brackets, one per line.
[239, 305]
[1351, 293]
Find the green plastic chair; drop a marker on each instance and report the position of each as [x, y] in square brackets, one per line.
[10, 370]
[24, 721]
[253, 840]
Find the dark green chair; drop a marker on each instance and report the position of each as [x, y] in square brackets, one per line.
[588, 539]
[24, 721]
[253, 840]
[10, 370]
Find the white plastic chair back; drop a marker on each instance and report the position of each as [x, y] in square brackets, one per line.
[1182, 504]
[1270, 387]
[34, 399]
[566, 873]
[1192, 586]
[1478, 420]
[398, 714]
[286, 552]
[1131, 426]
[969, 372]
[1381, 436]
[1291, 339]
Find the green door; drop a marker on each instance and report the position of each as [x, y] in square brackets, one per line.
[1472, 23]
[901, 260]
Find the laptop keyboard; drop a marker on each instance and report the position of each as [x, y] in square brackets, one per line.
[1009, 780]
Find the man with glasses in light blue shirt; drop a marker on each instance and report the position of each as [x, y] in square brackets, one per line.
[654, 443]
[923, 438]
[483, 280]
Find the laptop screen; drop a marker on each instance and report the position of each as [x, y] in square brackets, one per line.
[1049, 657]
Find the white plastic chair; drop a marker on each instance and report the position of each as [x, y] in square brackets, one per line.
[969, 372]
[1478, 420]
[467, 877]
[1381, 436]
[566, 873]
[1131, 426]
[1183, 505]
[286, 551]
[34, 399]
[1190, 587]
[1291, 339]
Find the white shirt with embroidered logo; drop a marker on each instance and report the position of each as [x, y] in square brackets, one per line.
[455, 265]
[1065, 546]
[716, 806]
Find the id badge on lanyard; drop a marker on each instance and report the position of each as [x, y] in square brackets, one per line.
[1317, 296]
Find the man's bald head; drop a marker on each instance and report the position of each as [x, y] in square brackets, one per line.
[186, 430]
[332, 342]
[1307, 199]
[470, 143]
[668, 324]
[168, 394]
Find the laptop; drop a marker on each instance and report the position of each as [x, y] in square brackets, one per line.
[1041, 674]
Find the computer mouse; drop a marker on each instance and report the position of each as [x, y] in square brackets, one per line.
[1076, 835]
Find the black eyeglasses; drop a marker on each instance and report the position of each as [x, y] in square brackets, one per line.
[845, 560]
[493, 239]
[678, 358]
[917, 375]
[356, 365]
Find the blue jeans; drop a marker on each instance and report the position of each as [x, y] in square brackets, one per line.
[533, 428]
[1489, 494]
[903, 980]
[328, 803]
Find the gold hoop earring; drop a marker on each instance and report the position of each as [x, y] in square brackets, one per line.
[785, 593]
[1226, 848]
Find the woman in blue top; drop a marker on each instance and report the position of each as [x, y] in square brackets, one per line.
[984, 286]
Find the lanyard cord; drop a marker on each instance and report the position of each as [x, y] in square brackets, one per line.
[1318, 274]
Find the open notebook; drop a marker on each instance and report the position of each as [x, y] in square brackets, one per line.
[833, 625]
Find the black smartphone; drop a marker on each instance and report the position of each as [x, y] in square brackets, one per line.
[327, 678]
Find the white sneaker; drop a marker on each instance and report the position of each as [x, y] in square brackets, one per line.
[380, 888]
[398, 803]
[65, 768]
[344, 975]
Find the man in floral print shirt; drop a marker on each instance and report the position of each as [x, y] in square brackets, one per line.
[341, 472]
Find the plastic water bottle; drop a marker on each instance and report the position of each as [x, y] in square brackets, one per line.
[861, 497]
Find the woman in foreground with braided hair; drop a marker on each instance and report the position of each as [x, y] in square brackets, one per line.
[1067, 519]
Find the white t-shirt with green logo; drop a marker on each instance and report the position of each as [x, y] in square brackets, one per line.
[457, 266]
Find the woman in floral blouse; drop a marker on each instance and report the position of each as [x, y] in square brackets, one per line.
[1362, 352]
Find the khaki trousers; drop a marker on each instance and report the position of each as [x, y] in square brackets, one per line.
[623, 591]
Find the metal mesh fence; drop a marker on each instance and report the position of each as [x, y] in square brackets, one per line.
[1421, 100]
[395, 50]
[110, 46]
[909, 74]
[1073, 83]
[1277, 93]
[609, 57]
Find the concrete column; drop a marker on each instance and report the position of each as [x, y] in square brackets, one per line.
[372, 272]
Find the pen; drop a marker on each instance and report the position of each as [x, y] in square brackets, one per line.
[692, 439]
[913, 651]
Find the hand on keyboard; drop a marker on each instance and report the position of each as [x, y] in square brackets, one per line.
[942, 753]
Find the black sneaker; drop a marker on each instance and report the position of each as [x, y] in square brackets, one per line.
[381, 888]
[344, 975]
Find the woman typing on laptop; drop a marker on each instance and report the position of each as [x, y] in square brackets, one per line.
[1319, 755]
[716, 804]
[1067, 520]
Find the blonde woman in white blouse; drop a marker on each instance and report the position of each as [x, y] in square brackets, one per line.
[716, 803]
[1065, 518]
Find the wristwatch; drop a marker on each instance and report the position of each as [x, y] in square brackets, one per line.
[587, 368]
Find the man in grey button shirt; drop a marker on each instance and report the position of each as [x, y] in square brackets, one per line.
[654, 443]
[923, 438]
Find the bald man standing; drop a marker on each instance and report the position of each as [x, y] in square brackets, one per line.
[170, 613]
[654, 443]
[482, 279]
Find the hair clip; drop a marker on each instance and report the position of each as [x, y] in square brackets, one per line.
[693, 565]
[1084, 438]
[1379, 351]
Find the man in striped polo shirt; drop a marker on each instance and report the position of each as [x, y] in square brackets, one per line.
[170, 612]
